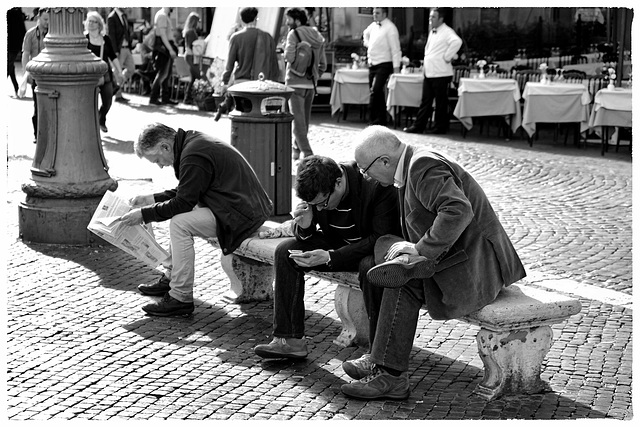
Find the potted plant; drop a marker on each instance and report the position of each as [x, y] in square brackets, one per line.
[202, 92]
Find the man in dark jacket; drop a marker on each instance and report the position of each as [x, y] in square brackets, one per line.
[303, 86]
[218, 195]
[120, 35]
[335, 227]
[454, 256]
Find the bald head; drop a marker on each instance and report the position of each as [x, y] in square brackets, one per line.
[378, 150]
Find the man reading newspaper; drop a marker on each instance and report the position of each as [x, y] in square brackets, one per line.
[218, 195]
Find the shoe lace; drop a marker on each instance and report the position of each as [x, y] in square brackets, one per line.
[280, 341]
[375, 373]
[364, 362]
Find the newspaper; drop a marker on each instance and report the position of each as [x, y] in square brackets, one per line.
[135, 240]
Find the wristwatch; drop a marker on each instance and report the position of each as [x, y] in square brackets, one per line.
[328, 263]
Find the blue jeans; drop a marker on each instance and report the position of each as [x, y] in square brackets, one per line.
[288, 304]
[300, 106]
[397, 322]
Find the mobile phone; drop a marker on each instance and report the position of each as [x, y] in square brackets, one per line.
[295, 251]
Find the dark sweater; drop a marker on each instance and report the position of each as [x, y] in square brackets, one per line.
[216, 175]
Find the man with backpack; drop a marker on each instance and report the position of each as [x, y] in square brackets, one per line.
[306, 61]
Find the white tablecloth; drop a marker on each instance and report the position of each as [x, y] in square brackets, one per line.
[611, 107]
[349, 87]
[555, 103]
[488, 97]
[404, 90]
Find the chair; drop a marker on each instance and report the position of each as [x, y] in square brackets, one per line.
[574, 74]
[181, 78]
[324, 84]
[524, 76]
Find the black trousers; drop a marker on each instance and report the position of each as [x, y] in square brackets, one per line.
[434, 88]
[378, 76]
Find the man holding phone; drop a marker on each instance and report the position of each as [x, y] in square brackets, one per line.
[335, 226]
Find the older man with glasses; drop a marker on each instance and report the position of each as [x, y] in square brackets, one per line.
[336, 225]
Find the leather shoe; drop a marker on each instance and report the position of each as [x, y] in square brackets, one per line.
[169, 306]
[398, 271]
[412, 129]
[155, 102]
[157, 289]
[122, 99]
[169, 102]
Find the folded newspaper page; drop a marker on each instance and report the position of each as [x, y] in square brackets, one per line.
[135, 240]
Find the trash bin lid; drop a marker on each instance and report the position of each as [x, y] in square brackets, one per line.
[259, 87]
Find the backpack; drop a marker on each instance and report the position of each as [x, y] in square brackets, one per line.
[302, 65]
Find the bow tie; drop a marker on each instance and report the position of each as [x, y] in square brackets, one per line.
[434, 31]
[379, 24]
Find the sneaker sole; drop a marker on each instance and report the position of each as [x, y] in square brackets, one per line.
[181, 313]
[392, 396]
[153, 293]
[397, 275]
[265, 354]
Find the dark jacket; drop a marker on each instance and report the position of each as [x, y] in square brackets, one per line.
[255, 52]
[450, 219]
[375, 210]
[315, 39]
[118, 32]
[216, 175]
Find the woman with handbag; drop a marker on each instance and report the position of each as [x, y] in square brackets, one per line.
[101, 46]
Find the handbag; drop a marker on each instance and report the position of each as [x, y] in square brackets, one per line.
[106, 78]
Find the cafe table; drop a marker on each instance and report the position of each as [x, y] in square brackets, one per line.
[611, 108]
[349, 87]
[488, 97]
[555, 103]
[403, 90]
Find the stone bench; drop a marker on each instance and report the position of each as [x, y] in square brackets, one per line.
[515, 330]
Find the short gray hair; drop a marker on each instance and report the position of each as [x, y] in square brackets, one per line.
[377, 140]
[152, 135]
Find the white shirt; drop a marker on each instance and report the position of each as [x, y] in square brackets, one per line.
[440, 49]
[399, 177]
[383, 43]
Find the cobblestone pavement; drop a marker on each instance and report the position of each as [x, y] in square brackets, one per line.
[79, 347]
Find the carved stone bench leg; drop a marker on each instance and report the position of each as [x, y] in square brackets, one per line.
[250, 280]
[349, 305]
[512, 360]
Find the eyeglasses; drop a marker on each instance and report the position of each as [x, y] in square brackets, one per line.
[364, 171]
[323, 204]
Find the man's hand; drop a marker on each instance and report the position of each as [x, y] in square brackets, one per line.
[400, 248]
[142, 200]
[311, 258]
[303, 215]
[133, 217]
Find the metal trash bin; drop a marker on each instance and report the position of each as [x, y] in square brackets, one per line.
[261, 131]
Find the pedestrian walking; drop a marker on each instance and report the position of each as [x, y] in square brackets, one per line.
[164, 53]
[189, 35]
[32, 45]
[303, 85]
[120, 35]
[15, 35]
[100, 45]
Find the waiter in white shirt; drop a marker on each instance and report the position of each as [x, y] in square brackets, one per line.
[441, 48]
[383, 43]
